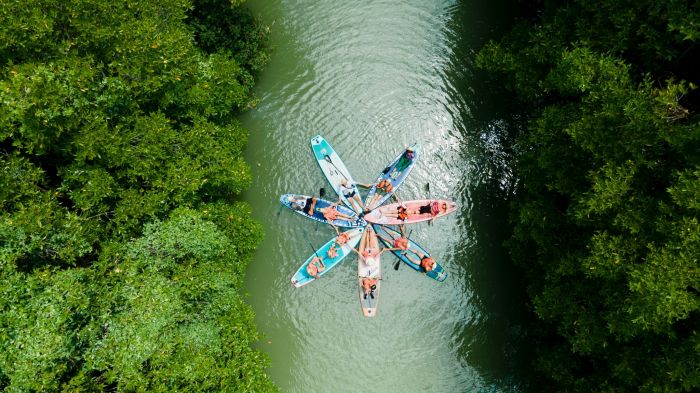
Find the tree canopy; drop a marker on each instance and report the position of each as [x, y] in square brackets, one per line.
[606, 216]
[122, 248]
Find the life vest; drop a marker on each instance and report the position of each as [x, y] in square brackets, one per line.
[427, 263]
[402, 213]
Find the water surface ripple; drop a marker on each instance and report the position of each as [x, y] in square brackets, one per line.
[372, 77]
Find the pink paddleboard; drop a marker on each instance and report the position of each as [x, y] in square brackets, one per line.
[418, 211]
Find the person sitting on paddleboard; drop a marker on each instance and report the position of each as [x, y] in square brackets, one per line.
[369, 284]
[331, 213]
[315, 266]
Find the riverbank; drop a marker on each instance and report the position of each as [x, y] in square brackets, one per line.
[122, 251]
[605, 215]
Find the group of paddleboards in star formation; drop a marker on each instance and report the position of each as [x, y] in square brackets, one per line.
[369, 221]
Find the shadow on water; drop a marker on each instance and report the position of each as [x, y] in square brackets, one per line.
[496, 342]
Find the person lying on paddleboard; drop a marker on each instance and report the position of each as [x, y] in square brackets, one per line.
[349, 192]
[315, 266]
[431, 208]
[369, 284]
[369, 246]
[398, 243]
[331, 213]
[427, 263]
[309, 206]
[403, 163]
[385, 186]
[342, 237]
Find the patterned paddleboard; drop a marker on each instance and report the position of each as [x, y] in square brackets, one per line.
[336, 172]
[301, 205]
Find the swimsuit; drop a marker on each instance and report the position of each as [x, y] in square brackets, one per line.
[424, 209]
[307, 206]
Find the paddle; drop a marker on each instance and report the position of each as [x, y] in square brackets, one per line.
[398, 261]
[313, 248]
[321, 193]
[427, 187]
[306, 236]
[328, 160]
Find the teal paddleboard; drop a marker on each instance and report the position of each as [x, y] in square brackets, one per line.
[387, 236]
[336, 173]
[302, 277]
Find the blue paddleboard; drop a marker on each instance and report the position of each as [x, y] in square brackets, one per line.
[396, 172]
[298, 203]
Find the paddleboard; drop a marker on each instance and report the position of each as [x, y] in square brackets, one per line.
[395, 173]
[298, 204]
[369, 268]
[336, 172]
[387, 236]
[385, 215]
[302, 277]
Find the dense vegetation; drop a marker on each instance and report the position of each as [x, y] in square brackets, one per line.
[122, 250]
[606, 213]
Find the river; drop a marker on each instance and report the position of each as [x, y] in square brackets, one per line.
[373, 77]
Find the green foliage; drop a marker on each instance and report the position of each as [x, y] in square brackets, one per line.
[177, 323]
[122, 254]
[225, 25]
[606, 215]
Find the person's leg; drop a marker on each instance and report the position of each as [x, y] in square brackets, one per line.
[384, 238]
[358, 200]
[363, 242]
[374, 242]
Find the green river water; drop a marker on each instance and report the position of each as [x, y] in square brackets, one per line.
[373, 77]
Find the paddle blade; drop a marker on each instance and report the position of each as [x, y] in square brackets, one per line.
[396, 265]
[321, 192]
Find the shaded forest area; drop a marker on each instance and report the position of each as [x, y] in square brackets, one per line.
[606, 213]
[122, 247]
